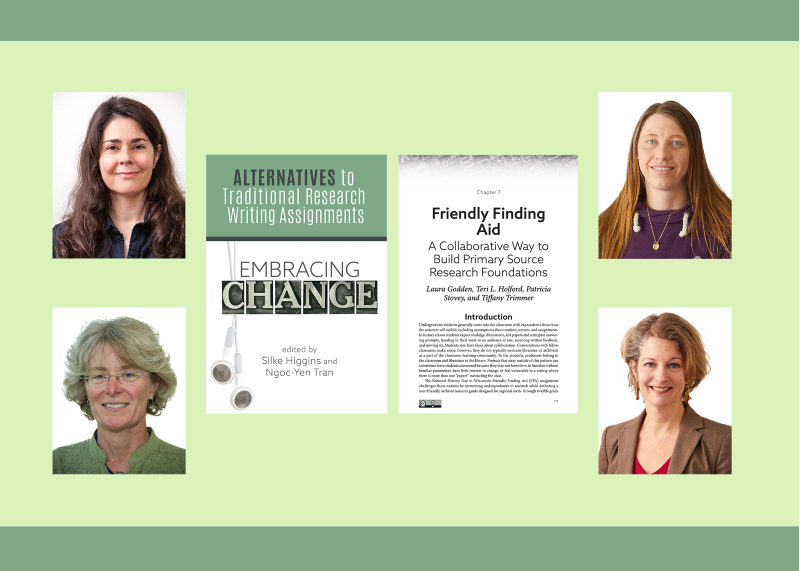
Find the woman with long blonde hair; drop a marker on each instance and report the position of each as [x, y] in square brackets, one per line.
[670, 206]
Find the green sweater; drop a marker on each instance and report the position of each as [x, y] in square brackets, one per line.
[154, 457]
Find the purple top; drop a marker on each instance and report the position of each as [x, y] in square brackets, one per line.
[671, 245]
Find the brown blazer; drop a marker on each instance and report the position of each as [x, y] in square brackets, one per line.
[703, 446]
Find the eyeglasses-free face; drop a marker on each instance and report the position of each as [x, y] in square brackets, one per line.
[127, 157]
[663, 153]
[660, 373]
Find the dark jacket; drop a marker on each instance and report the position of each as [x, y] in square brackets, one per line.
[113, 246]
[703, 446]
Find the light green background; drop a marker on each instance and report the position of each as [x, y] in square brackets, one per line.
[392, 98]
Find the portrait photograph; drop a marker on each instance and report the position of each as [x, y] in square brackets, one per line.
[119, 175]
[664, 390]
[119, 391]
[664, 175]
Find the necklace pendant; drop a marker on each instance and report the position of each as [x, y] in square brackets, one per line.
[655, 246]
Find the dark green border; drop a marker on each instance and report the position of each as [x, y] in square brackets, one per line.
[539, 20]
[651, 548]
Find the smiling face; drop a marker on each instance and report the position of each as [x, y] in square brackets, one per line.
[127, 157]
[660, 373]
[663, 154]
[118, 406]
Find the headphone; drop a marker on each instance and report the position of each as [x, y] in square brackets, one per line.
[223, 371]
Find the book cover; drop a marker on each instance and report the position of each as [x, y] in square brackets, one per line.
[295, 278]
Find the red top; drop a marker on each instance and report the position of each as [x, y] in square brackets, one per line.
[637, 468]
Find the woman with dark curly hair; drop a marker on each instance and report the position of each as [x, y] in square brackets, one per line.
[666, 361]
[126, 202]
[118, 373]
[670, 205]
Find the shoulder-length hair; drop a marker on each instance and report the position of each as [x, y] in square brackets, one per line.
[675, 328]
[83, 232]
[711, 221]
[135, 343]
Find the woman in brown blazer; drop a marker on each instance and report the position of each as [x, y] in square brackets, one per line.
[666, 361]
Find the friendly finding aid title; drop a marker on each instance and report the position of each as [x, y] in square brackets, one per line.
[498, 213]
[274, 196]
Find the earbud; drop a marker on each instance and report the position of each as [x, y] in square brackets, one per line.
[242, 396]
[222, 370]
